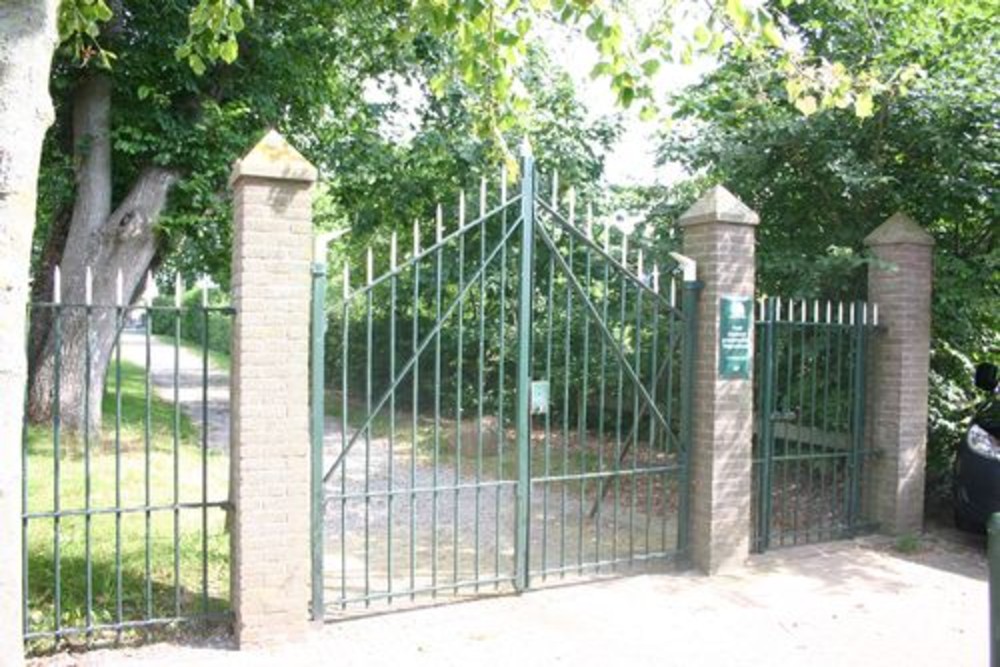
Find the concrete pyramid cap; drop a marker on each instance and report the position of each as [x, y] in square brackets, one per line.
[273, 157]
[899, 229]
[718, 205]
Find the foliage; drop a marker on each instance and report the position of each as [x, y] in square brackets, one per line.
[193, 319]
[822, 183]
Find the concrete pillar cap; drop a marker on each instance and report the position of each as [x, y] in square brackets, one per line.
[899, 229]
[273, 157]
[718, 205]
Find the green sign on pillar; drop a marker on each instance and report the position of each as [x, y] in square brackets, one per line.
[734, 337]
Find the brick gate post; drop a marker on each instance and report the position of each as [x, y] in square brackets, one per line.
[272, 245]
[719, 234]
[900, 285]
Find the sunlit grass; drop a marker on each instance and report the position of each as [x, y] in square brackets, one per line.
[154, 467]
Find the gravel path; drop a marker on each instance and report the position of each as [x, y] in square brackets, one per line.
[189, 382]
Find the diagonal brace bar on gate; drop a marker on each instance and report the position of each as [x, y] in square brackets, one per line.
[416, 355]
[613, 344]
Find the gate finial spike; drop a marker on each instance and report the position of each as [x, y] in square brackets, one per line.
[639, 265]
[88, 286]
[555, 190]
[482, 197]
[439, 231]
[392, 251]
[673, 292]
[204, 291]
[656, 278]
[571, 202]
[875, 314]
[526, 147]
[503, 184]
[347, 281]
[56, 285]
[178, 290]
[119, 289]
[416, 238]
[147, 292]
[461, 208]
[370, 266]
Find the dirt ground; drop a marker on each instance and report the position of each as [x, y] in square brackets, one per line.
[848, 603]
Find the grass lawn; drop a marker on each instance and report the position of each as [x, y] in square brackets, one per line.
[148, 586]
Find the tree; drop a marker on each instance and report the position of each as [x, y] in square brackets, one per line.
[823, 182]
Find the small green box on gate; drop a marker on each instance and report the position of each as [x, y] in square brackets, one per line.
[734, 337]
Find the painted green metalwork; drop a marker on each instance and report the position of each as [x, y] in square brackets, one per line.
[317, 405]
[621, 422]
[810, 449]
[120, 587]
[993, 550]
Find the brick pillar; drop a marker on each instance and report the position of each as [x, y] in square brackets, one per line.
[719, 234]
[900, 285]
[272, 244]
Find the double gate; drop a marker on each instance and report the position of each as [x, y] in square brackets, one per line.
[508, 404]
[811, 455]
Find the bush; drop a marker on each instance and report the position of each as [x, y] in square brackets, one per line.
[192, 319]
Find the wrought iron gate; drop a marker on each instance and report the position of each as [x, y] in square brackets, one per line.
[810, 449]
[508, 404]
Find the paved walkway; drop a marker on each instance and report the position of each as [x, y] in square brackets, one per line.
[849, 603]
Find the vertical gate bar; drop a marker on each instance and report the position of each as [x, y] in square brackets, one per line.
[147, 446]
[370, 275]
[437, 403]
[582, 414]
[317, 418]
[789, 387]
[766, 427]
[814, 338]
[204, 450]
[653, 365]
[637, 363]
[458, 391]
[548, 420]
[799, 460]
[178, 291]
[345, 342]
[524, 368]
[605, 282]
[56, 472]
[567, 351]
[479, 377]
[415, 409]
[692, 290]
[857, 428]
[119, 320]
[88, 565]
[390, 498]
[501, 424]
[623, 300]
[825, 422]
[671, 347]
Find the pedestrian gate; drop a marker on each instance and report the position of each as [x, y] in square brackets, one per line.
[810, 449]
[510, 403]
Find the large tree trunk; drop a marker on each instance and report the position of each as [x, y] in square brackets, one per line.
[27, 41]
[108, 242]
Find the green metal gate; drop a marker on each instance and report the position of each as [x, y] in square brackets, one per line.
[811, 453]
[507, 405]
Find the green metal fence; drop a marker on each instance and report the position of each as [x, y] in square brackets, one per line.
[504, 406]
[811, 453]
[125, 471]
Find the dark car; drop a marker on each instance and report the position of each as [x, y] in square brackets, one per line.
[977, 462]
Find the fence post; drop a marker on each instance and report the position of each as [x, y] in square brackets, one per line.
[270, 442]
[719, 234]
[993, 529]
[899, 283]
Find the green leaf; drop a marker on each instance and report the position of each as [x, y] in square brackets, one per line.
[771, 34]
[806, 104]
[864, 105]
[229, 50]
[197, 64]
[144, 92]
[651, 67]
[702, 35]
